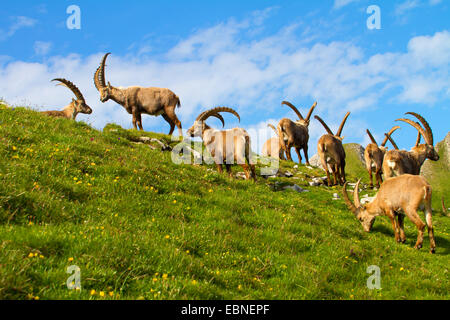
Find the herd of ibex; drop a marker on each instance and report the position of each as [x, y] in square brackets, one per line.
[402, 193]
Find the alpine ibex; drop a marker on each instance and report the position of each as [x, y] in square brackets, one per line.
[76, 106]
[225, 146]
[398, 162]
[407, 193]
[374, 154]
[272, 147]
[295, 133]
[332, 153]
[139, 100]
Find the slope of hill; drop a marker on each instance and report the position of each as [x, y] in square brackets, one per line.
[141, 227]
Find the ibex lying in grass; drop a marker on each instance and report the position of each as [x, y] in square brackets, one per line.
[139, 100]
[295, 134]
[407, 193]
[225, 146]
[272, 147]
[332, 153]
[398, 162]
[75, 107]
[374, 155]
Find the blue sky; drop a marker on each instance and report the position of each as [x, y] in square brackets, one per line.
[249, 56]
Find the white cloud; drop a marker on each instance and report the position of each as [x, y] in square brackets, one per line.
[406, 6]
[19, 23]
[224, 65]
[42, 48]
[342, 3]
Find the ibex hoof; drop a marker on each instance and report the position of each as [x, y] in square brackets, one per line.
[433, 250]
[418, 247]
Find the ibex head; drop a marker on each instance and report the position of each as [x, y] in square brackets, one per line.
[358, 210]
[428, 148]
[79, 103]
[301, 120]
[100, 83]
[199, 125]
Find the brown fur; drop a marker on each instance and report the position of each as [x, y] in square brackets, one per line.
[332, 153]
[139, 100]
[406, 193]
[295, 134]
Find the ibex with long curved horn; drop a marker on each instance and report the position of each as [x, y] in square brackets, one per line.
[139, 100]
[272, 147]
[408, 193]
[75, 107]
[374, 155]
[332, 153]
[295, 133]
[225, 146]
[398, 162]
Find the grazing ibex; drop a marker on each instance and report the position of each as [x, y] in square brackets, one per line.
[407, 193]
[139, 100]
[295, 133]
[398, 162]
[374, 154]
[332, 153]
[225, 146]
[75, 107]
[272, 147]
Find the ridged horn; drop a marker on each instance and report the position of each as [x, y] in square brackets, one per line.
[99, 76]
[323, 124]
[273, 128]
[287, 103]
[216, 115]
[205, 115]
[419, 136]
[308, 116]
[393, 129]
[347, 201]
[388, 137]
[417, 126]
[72, 87]
[429, 137]
[342, 124]
[371, 137]
[356, 195]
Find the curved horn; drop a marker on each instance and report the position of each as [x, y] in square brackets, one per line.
[372, 138]
[324, 124]
[349, 204]
[418, 139]
[388, 137]
[389, 134]
[216, 115]
[205, 115]
[356, 195]
[342, 124]
[273, 128]
[71, 86]
[417, 126]
[99, 77]
[293, 108]
[311, 111]
[429, 137]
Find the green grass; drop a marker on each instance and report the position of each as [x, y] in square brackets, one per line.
[141, 227]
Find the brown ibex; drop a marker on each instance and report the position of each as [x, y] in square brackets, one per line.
[295, 133]
[75, 107]
[332, 153]
[398, 162]
[407, 193]
[225, 146]
[139, 100]
[272, 147]
[374, 154]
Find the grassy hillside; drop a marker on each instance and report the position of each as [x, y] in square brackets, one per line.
[140, 227]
